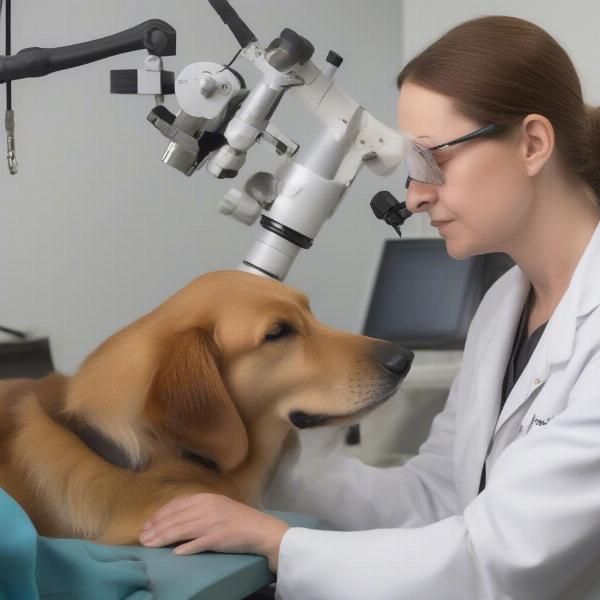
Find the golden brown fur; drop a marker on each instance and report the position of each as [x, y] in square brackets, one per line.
[202, 374]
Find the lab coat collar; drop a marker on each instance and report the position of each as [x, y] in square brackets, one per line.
[494, 348]
[557, 343]
[581, 297]
[491, 352]
[495, 344]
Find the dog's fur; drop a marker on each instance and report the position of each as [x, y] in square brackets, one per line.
[222, 370]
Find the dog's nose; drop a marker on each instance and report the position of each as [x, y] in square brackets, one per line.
[399, 364]
[393, 358]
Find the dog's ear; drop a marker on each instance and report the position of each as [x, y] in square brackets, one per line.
[190, 404]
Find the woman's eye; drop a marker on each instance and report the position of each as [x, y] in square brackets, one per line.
[442, 157]
[281, 330]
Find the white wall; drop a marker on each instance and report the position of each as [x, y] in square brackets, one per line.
[95, 230]
[573, 24]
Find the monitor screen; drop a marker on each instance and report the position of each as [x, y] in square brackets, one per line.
[423, 298]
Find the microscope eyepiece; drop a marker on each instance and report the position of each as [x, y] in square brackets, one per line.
[387, 208]
[333, 58]
[288, 49]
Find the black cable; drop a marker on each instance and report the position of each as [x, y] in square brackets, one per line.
[14, 332]
[7, 53]
[1, 2]
[240, 30]
[231, 61]
[8, 28]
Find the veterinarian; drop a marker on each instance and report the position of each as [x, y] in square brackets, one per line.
[503, 499]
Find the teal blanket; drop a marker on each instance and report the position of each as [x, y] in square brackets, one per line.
[32, 566]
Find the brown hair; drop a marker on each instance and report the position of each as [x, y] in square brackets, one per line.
[500, 69]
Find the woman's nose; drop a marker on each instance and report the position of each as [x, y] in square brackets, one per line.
[420, 196]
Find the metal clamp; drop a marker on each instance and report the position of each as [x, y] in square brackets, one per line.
[9, 125]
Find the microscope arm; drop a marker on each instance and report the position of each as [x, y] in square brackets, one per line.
[157, 36]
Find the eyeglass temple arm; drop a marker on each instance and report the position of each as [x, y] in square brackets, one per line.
[487, 130]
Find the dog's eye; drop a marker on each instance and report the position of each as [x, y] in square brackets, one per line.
[281, 330]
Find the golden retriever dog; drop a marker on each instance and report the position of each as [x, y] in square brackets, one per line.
[201, 394]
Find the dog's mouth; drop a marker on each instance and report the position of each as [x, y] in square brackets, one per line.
[304, 420]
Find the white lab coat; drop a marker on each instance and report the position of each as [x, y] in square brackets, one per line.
[421, 531]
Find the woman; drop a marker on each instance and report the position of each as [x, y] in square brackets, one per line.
[503, 499]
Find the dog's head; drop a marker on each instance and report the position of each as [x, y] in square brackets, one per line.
[228, 353]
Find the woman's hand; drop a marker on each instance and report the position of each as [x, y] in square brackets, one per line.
[215, 522]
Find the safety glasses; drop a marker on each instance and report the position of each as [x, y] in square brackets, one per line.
[421, 164]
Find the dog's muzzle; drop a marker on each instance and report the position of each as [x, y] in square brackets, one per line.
[395, 362]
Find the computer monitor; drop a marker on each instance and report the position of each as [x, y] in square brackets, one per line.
[24, 355]
[424, 299]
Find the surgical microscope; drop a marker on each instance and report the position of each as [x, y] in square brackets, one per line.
[219, 120]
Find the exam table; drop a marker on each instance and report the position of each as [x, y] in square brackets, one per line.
[33, 566]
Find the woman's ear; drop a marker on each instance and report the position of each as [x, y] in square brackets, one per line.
[537, 142]
[190, 404]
